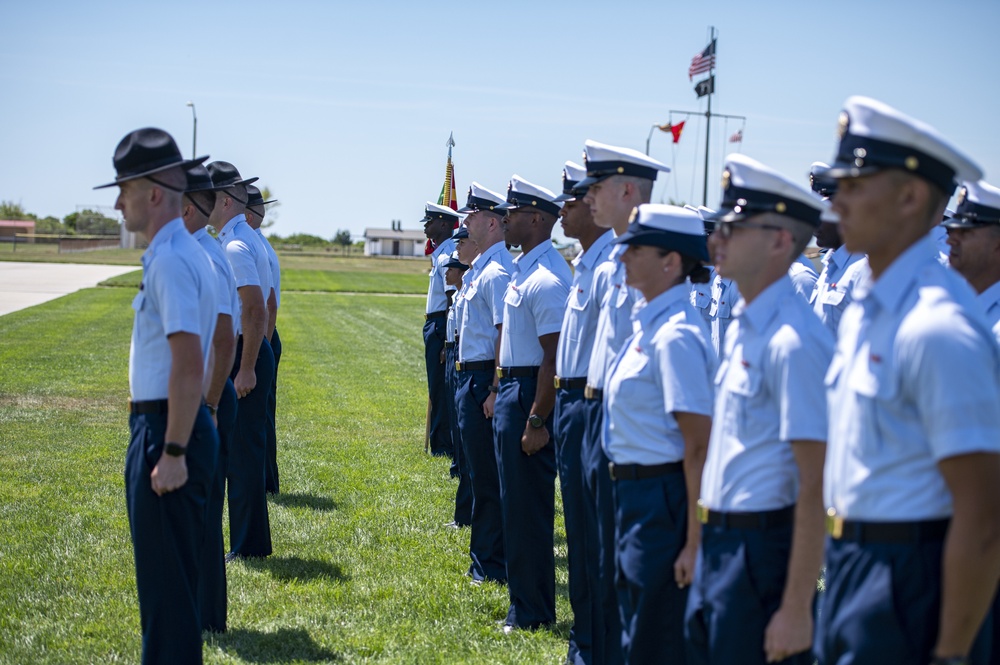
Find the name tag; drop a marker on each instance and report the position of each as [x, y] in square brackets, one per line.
[513, 297]
[833, 298]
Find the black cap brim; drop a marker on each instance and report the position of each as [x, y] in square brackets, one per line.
[187, 163]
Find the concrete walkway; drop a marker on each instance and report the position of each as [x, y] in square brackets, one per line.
[28, 284]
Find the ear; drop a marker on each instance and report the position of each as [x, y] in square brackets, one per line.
[672, 262]
[912, 197]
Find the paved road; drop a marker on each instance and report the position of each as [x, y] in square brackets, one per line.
[27, 284]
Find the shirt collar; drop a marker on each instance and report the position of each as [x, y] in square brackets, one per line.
[231, 225]
[765, 306]
[525, 261]
[588, 257]
[990, 295]
[484, 257]
[162, 237]
[838, 256]
[662, 303]
[200, 233]
[894, 283]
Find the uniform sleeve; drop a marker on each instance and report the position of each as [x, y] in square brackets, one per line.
[223, 298]
[548, 303]
[685, 366]
[952, 372]
[798, 365]
[175, 288]
[243, 264]
[496, 286]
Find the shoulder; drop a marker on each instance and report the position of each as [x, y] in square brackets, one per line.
[799, 332]
[943, 312]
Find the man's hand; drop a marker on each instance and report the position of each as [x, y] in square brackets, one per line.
[684, 565]
[246, 380]
[534, 439]
[788, 632]
[491, 400]
[169, 474]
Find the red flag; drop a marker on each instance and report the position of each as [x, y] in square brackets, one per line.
[675, 130]
[737, 137]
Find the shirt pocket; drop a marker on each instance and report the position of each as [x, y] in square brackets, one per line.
[833, 298]
[578, 302]
[876, 389]
[513, 317]
[743, 413]
[701, 298]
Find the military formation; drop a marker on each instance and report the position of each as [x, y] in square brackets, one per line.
[202, 377]
[731, 430]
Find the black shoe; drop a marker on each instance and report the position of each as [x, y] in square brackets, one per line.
[232, 556]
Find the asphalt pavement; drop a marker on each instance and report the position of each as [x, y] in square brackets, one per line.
[28, 284]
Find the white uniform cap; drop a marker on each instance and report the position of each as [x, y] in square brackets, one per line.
[874, 136]
[523, 194]
[481, 198]
[433, 211]
[669, 227]
[573, 173]
[978, 205]
[603, 161]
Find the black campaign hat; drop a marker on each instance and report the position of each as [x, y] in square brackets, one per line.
[255, 198]
[147, 151]
[198, 179]
[225, 175]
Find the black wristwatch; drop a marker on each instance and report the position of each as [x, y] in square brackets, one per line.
[536, 421]
[175, 450]
[493, 389]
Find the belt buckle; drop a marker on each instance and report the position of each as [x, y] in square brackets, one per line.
[556, 382]
[702, 513]
[834, 524]
[458, 366]
[588, 392]
[611, 470]
[499, 372]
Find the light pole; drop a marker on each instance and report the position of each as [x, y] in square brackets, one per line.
[194, 136]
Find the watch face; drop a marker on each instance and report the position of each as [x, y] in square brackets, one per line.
[536, 421]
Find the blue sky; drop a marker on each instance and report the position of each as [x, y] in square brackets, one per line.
[343, 109]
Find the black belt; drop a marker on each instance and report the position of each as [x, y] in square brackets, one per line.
[571, 384]
[927, 531]
[512, 372]
[157, 406]
[474, 365]
[436, 315]
[450, 345]
[642, 471]
[590, 392]
[764, 519]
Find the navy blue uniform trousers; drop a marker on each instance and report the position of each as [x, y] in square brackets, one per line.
[168, 534]
[651, 528]
[249, 526]
[271, 470]
[570, 427]
[486, 541]
[600, 539]
[882, 605]
[738, 585]
[460, 465]
[212, 577]
[527, 491]
[437, 390]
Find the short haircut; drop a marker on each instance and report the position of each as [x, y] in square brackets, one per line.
[801, 231]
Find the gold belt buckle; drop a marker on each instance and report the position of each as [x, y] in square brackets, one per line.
[588, 392]
[458, 366]
[834, 524]
[556, 382]
[702, 513]
[499, 372]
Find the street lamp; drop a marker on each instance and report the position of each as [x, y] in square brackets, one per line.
[194, 136]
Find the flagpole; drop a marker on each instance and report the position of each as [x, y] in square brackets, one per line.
[708, 123]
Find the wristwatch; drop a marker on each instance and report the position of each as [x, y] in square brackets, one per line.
[212, 409]
[175, 449]
[536, 421]
[492, 388]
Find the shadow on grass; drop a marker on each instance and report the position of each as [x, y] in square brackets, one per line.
[286, 645]
[320, 503]
[291, 568]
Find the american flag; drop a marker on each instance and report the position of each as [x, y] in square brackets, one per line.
[737, 137]
[703, 62]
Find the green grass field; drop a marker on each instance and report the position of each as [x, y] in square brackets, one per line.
[363, 569]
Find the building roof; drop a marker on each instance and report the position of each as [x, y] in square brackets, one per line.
[18, 223]
[389, 234]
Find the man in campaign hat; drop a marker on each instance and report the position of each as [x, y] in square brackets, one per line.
[174, 446]
[912, 479]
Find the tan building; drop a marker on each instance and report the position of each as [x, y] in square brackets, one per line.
[390, 242]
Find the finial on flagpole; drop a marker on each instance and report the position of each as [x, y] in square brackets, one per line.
[451, 140]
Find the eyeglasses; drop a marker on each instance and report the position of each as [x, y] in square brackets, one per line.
[725, 229]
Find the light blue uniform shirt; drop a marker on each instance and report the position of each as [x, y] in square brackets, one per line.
[247, 257]
[437, 301]
[834, 288]
[990, 302]
[803, 276]
[914, 381]
[225, 288]
[769, 392]
[534, 304]
[583, 306]
[614, 324]
[454, 329]
[482, 310]
[275, 267]
[177, 294]
[665, 368]
[725, 295]
[701, 298]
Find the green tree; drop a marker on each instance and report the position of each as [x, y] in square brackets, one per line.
[271, 215]
[49, 226]
[91, 222]
[13, 211]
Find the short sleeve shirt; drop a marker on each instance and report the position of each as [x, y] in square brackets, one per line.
[614, 324]
[437, 301]
[834, 288]
[273, 265]
[247, 257]
[769, 392]
[914, 381]
[990, 302]
[534, 304]
[725, 295]
[583, 307]
[665, 368]
[482, 309]
[177, 295]
[225, 289]
[803, 277]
